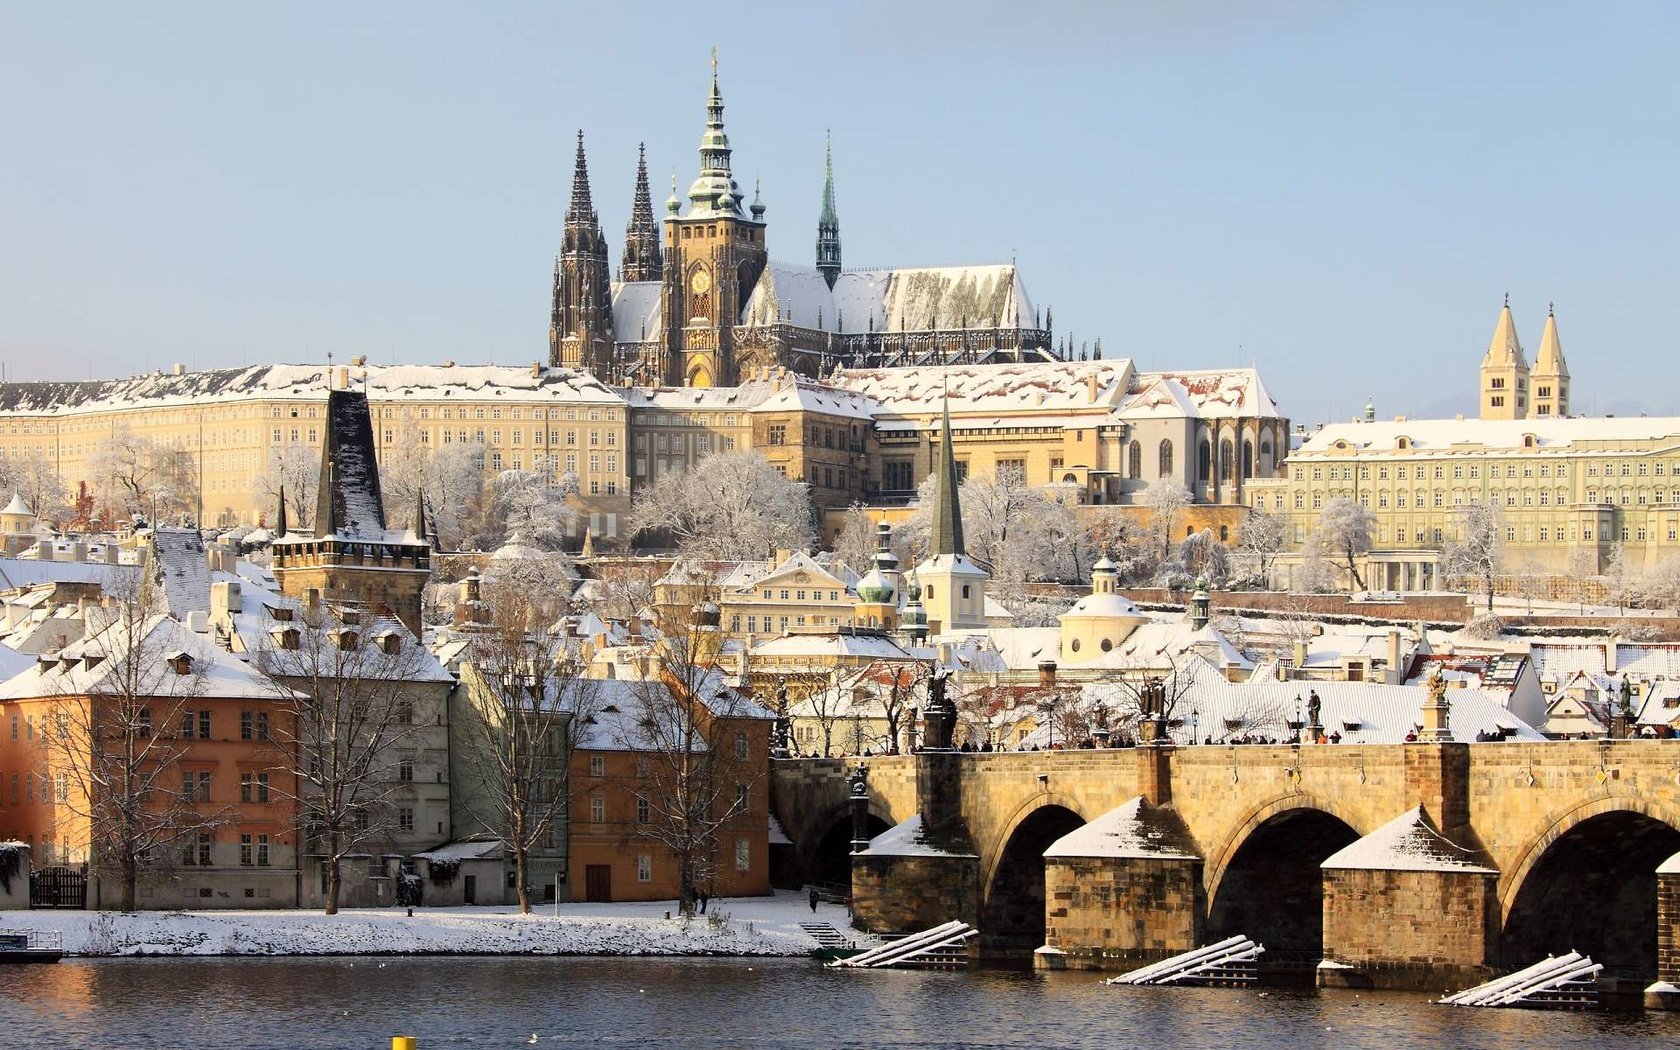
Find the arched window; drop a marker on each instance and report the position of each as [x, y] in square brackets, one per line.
[1204, 460]
[1266, 458]
[1227, 460]
[1166, 459]
[1134, 461]
[1247, 459]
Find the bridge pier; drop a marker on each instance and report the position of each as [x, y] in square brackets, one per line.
[924, 871]
[1665, 993]
[1406, 908]
[1122, 891]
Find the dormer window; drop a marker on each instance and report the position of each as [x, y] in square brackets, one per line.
[180, 662]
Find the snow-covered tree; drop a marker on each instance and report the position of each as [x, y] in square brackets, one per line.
[297, 467]
[1260, 539]
[1479, 547]
[1618, 577]
[1166, 500]
[525, 507]
[1128, 542]
[1344, 529]
[731, 506]
[33, 477]
[855, 543]
[145, 477]
[1659, 586]
[1204, 556]
[453, 477]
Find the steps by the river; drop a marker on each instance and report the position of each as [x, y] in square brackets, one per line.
[944, 947]
[826, 935]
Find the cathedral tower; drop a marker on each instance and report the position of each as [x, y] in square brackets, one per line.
[641, 260]
[828, 223]
[714, 255]
[1551, 374]
[580, 333]
[1504, 393]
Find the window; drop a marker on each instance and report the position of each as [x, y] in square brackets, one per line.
[1165, 466]
[405, 770]
[61, 787]
[195, 850]
[778, 434]
[195, 787]
[743, 855]
[597, 810]
[597, 766]
[644, 867]
[405, 818]
[740, 747]
[644, 811]
[195, 719]
[253, 787]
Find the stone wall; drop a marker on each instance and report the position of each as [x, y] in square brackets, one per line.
[906, 894]
[1119, 913]
[1668, 939]
[1435, 930]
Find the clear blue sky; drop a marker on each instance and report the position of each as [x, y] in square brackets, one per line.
[1341, 194]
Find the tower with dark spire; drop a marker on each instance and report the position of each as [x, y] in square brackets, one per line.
[714, 254]
[352, 557]
[580, 333]
[828, 223]
[641, 260]
[953, 586]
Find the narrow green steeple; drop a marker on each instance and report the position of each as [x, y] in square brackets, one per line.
[947, 513]
[828, 223]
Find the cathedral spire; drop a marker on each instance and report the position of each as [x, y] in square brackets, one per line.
[715, 191]
[1505, 348]
[828, 223]
[947, 513]
[641, 259]
[580, 327]
[1551, 375]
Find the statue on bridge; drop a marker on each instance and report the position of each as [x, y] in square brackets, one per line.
[1315, 710]
[939, 717]
[1437, 712]
[1152, 711]
[860, 808]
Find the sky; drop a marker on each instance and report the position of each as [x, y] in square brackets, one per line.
[1340, 193]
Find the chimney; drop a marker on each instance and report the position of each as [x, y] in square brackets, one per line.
[113, 553]
[343, 379]
[1394, 669]
[1091, 387]
[44, 550]
[313, 599]
[947, 652]
[225, 598]
[78, 551]
[536, 369]
[1046, 674]
[1300, 653]
[1610, 656]
[178, 369]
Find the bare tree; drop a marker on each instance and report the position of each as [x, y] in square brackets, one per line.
[1166, 500]
[1174, 674]
[122, 724]
[898, 687]
[352, 684]
[32, 476]
[1479, 548]
[294, 469]
[525, 698]
[1259, 541]
[1345, 527]
[145, 476]
[704, 757]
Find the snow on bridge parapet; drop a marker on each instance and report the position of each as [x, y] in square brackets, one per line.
[907, 838]
[1407, 843]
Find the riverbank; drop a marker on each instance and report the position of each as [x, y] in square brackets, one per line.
[742, 926]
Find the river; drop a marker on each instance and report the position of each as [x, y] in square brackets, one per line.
[359, 1003]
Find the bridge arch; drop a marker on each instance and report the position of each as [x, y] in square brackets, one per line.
[1589, 884]
[823, 853]
[1266, 881]
[1011, 918]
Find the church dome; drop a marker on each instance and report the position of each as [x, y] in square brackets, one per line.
[876, 588]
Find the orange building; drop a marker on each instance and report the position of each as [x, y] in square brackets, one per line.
[625, 777]
[145, 707]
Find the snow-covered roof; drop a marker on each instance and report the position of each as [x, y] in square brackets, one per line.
[1556, 432]
[459, 851]
[906, 839]
[1132, 830]
[1104, 606]
[803, 395]
[184, 568]
[30, 572]
[1025, 647]
[638, 310]
[1159, 645]
[309, 383]
[1206, 393]
[835, 644]
[993, 391]
[918, 299]
[18, 506]
[1406, 843]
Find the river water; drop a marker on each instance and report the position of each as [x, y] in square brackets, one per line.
[359, 1003]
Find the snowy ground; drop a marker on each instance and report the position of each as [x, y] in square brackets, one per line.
[753, 926]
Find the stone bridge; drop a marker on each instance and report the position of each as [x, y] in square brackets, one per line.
[1447, 862]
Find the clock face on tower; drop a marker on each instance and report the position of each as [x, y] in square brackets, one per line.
[701, 282]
